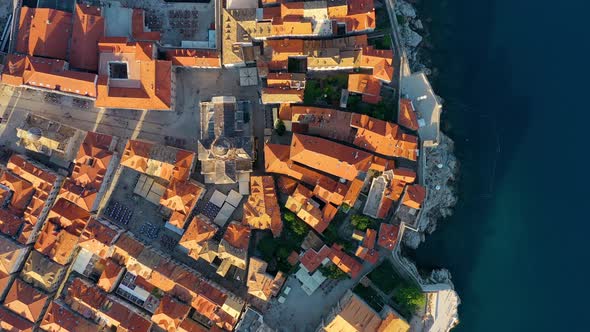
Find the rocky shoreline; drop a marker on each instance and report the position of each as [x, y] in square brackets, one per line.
[441, 165]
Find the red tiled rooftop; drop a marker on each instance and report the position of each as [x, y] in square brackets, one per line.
[407, 115]
[383, 137]
[344, 262]
[261, 210]
[11, 322]
[415, 195]
[88, 29]
[181, 196]
[388, 234]
[155, 76]
[59, 318]
[404, 174]
[22, 190]
[329, 157]
[199, 230]
[312, 259]
[194, 58]
[170, 313]
[237, 235]
[92, 160]
[97, 238]
[44, 32]
[47, 74]
[25, 300]
[109, 275]
[367, 85]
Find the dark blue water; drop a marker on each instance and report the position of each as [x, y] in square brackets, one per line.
[514, 75]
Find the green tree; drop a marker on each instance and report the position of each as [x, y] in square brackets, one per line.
[289, 216]
[267, 247]
[333, 272]
[280, 128]
[361, 222]
[410, 297]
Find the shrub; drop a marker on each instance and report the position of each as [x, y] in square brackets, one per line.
[410, 297]
[331, 271]
[361, 222]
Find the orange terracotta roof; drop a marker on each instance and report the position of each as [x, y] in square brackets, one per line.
[80, 196]
[43, 180]
[360, 22]
[110, 275]
[13, 323]
[170, 313]
[25, 300]
[44, 32]
[353, 192]
[292, 8]
[283, 48]
[404, 174]
[237, 235]
[89, 28]
[119, 315]
[127, 319]
[204, 306]
[312, 259]
[138, 27]
[282, 95]
[366, 254]
[97, 238]
[291, 26]
[48, 74]
[194, 58]
[56, 243]
[127, 246]
[181, 197]
[138, 156]
[189, 325]
[384, 207]
[388, 236]
[68, 216]
[383, 137]
[4, 281]
[262, 211]
[155, 77]
[344, 262]
[92, 161]
[22, 190]
[10, 223]
[366, 85]
[286, 185]
[414, 197]
[407, 115]
[327, 156]
[271, 12]
[198, 231]
[370, 237]
[58, 318]
[324, 122]
[86, 293]
[381, 61]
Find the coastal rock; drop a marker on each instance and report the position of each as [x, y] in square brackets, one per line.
[417, 24]
[441, 276]
[405, 9]
[411, 38]
[441, 169]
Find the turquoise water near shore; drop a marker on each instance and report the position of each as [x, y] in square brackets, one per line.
[514, 77]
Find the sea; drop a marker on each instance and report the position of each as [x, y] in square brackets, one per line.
[515, 82]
